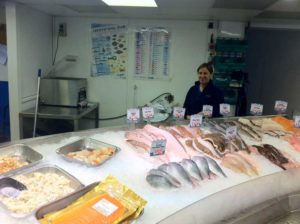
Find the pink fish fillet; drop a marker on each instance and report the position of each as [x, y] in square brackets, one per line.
[174, 151]
[295, 142]
[138, 137]
[184, 132]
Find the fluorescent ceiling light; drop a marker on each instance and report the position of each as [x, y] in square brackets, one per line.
[131, 3]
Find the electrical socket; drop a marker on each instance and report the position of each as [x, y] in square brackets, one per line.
[62, 29]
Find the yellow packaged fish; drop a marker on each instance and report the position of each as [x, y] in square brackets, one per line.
[110, 202]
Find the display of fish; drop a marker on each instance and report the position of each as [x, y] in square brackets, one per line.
[178, 172]
[160, 179]
[203, 166]
[217, 140]
[202, 148]
[295, 142]
[249, 128]
[234, 164]
[174, 149]
[247, 167]
[272, 154]
[186, 172]
[215, 166]
[184, 132]
[191, 167]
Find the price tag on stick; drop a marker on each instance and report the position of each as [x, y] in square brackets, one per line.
[256, 109]
[231, 132]
[133, 115]
[158, 147]
[207, 110]
[280, 106]
[196, 120]
[178, 112]
[224, 109]
[297, 121]
[148, 112]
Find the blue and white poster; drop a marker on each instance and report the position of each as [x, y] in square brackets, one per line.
[109, 50]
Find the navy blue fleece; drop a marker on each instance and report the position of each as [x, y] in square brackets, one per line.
[195, 99]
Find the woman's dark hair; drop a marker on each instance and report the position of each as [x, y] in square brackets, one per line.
[208, 66]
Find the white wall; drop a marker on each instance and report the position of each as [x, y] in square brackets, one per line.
[3, 68]
[29, 35]
[188, 50]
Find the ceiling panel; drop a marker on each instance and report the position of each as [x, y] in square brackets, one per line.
[285, 5]
[279, 15]
[62, 2]
[239, 10]
[90, 8]
[53, 9]
[185, 3]
[243, 4]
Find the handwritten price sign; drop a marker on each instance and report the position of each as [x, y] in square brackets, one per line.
[297, 121]
[280, 106]
[231, 132]
[133, 115]
[158, 147]
[148, 112]
[178, 112]
[224, 109]
[256, 109]
[207, 110]
[196, 120]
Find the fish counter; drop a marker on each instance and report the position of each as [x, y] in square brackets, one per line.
[204, 175]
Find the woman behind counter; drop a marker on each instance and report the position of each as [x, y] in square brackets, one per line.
[203, 93]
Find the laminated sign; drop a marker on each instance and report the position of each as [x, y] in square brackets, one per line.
[256, 109]
[179, 112]
[280, 106]
[297, 121]
[158, 147]
[196, 120]
[207, 110]
[224, 109]
[133, 115]
[148, 112]
[231, 132]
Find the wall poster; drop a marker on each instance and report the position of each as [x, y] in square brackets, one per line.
[109, 50]
[152, 53]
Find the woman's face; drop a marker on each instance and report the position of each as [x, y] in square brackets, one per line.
[204, 76]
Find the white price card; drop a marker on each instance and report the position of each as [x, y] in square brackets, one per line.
[231, 132]
[297, 121]
[196, 120]
[207, 110]
[148, 112]
[280, 106]
[256, 109]
[133, 115]
[158, 147]
[224, 109]
[178, 112]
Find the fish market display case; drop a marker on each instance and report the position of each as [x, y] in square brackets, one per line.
[270, 197]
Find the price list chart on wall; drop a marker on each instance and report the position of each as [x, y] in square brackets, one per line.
[152, 53]
[109, 50]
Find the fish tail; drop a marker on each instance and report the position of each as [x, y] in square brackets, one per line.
[195, 182]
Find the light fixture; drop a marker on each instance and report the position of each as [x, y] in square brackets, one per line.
[131, 3]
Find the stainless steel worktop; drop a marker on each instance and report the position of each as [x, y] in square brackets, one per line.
[72, 114]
